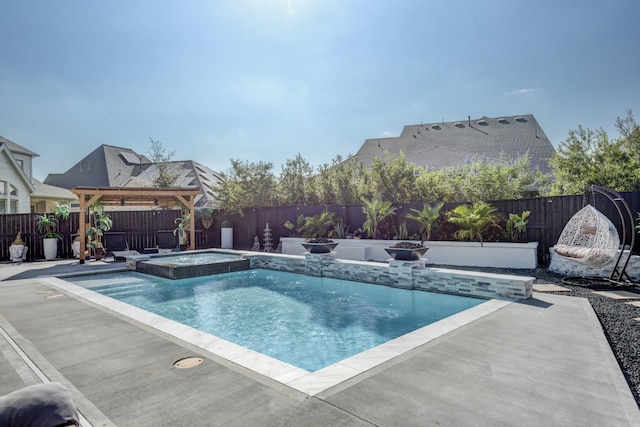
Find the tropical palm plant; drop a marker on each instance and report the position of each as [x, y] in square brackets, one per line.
[318, 225]
[427, 217]
[376, 211]
[473, 220]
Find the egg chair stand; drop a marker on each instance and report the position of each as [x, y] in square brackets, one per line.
[591, 238]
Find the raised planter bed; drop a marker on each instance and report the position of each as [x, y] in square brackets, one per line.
[491, 254]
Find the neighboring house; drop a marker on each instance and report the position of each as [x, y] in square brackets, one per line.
[190, 174]
[454, 144]
[110, 166]
[19, 191]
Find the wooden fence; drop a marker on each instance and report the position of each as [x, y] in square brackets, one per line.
[548, 217]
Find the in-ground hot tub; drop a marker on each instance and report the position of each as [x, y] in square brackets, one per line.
[192, 264]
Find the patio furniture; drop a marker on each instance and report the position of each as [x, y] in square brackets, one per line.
[167, 241]
[591, 238]
[116, 246]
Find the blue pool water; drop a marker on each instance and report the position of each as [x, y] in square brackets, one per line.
[309, 322]
[193, 259]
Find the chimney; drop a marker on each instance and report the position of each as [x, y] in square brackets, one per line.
[469, 121]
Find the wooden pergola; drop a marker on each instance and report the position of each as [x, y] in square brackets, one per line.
[134, 196]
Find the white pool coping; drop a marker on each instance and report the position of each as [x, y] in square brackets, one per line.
[310, 383]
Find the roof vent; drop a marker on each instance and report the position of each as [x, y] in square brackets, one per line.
[503, 120]
[520, 119]
[436, 127]
[459, 125]
[482, 122]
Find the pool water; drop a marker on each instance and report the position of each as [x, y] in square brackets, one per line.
[308, 322]
[193, 259]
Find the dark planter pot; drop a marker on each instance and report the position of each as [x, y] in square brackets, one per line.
[319, 248]
[184, 246]
[99, 253]
[400, 254]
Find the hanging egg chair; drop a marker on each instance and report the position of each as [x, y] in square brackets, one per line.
[589, 237]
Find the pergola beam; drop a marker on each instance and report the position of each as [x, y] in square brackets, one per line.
[136, 196]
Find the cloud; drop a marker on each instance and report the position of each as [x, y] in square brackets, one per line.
[516, 92]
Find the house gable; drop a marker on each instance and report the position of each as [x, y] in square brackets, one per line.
[16, 186]
[106, 166]
[454, 144]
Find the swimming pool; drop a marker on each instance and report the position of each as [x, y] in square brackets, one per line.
[308, 322]
[193, 258]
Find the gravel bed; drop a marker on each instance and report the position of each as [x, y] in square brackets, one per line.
[616, 316]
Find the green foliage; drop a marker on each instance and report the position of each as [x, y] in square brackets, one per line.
[392, 179]
[168, 173]
[295, 229]
[100, 223]
[589, 157]
[318, 225]
[47, 223]
[473, 220]
[245, 185]
[516, 225]
[427, 217]
[375, 211]
[296, 185]
[183, 227]
[340, 228]
[340, 182]
[402, 233]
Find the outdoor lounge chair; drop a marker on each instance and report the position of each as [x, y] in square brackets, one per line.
[167, 241]
[589, 237]
[117, 247]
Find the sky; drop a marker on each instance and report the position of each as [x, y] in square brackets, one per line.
[265, 80]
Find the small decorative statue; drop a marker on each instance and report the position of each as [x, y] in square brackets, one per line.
[256, 244]
[18, 250]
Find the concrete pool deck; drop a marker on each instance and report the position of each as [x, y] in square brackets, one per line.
[543, 361]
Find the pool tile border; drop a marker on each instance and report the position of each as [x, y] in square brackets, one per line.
[310, 383]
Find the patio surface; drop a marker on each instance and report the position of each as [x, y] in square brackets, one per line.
[543, 361]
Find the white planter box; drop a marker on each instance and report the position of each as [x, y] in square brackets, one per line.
[502, 255]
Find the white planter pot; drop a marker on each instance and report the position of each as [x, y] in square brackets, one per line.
[50, 247]
[226, 238]
[501, 255]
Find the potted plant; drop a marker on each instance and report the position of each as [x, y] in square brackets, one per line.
[315, 228]
[47, 223]
[100, 223]
[182, 230]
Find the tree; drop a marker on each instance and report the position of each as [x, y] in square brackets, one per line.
[392, 179]
[245, 185]
[296, 185]
[340, 182]
[590, 158]
[168, 173]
